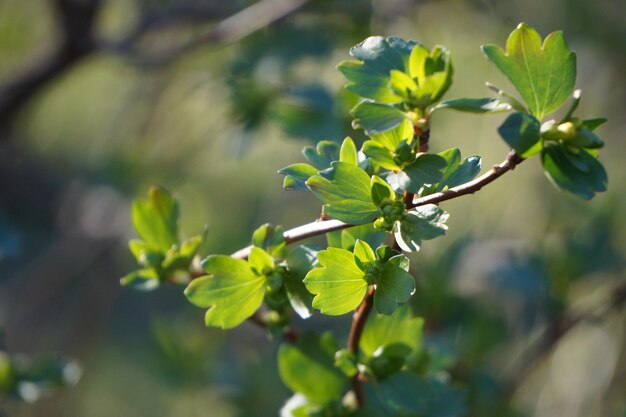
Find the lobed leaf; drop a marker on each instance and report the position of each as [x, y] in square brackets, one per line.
[394, 285]
[579, 173]
[231, 291]
[156, 219]
[544, 75]
[345, 191]
[338, 282]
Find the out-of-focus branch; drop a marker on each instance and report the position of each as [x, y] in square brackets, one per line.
[75, 20]
[230, 30]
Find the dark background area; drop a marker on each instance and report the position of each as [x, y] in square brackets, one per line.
[99, 99]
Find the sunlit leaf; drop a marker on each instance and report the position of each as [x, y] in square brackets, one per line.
[544, 75]
[338, 282]
[231, 291]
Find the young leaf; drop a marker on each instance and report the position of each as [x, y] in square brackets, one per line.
[475, 105]
[544, 75]
[366, 233]
[345, 191]
[231, 291]
[156, 219]
[308, 368]
[260, 261]
[381, 190]
[458, 172]
[400, 327]
[299, 262]
[296, 175]
[394, 285]
[377, 117]
[521, 132]
[579, 173]
[422, 223]
[427, 169]
[348, 152]
[323, 154]
[369, 75]
[270, 238]
[338, 283]
[142, 280]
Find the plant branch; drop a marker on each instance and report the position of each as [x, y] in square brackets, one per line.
[354, 339]
[317, 228]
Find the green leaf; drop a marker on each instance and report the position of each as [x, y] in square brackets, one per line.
[458, 172]
[398, 328]
[179, 261]
[475, 105]
[422, 223]
[156, 219]
[521, 132]
[345, 191]
[296, 176]
[260, 261]
[579, 173]
[364, 253]
[376, 56]
[323, 154]
[377, 117]
[145, 254]
[592, 124]
[270, 238]
[544, 75]
[339, 283]
[346, 362]
[408, 394]
[142, 280]
[394, 285]
[348, 152]
[232, 291]
[299, 262]
[389, 359]
[427, 169]
[380, 155]
[432, 71]
[308, 368]
[381, 190]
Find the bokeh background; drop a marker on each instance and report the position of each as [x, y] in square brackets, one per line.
[101, 98]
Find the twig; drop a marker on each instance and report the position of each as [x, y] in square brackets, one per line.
[354, 339]
[317, 228]
[230, 30]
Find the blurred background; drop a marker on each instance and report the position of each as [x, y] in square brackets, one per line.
[99, 99]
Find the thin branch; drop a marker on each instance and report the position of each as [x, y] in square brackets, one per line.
[318, 228]
[76, 20]
[354, 339]
[230, 30]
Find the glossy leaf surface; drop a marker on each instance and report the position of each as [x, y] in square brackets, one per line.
[543, 74]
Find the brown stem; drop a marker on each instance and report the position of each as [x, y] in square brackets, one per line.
[358, 323]
[322, 227]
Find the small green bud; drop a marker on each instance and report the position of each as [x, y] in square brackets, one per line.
[567, 130]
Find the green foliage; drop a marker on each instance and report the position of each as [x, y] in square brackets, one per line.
[379, 192]
[406, 393]
[339, 283]
[521, 132]
[308, 368]
[422, 223]
[544, 75]
[345, 191]
[233, 290]
[160, 253]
